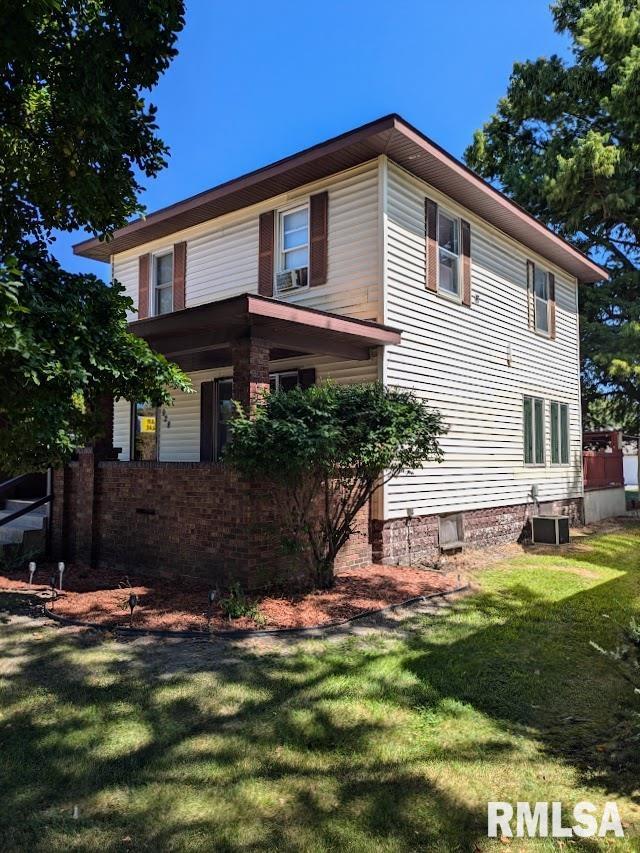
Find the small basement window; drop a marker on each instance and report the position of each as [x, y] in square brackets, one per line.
[451, 531]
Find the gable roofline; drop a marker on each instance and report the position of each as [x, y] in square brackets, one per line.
[390, 135]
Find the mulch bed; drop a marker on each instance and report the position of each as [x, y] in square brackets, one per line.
[101, 596]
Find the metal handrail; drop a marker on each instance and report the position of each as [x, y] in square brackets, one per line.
[9, 484]
[25, 509]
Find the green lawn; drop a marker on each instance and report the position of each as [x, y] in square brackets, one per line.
[386, 742]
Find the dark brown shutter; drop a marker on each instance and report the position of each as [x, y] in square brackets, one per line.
[319, 234]
[266, 249]
[552, 305]
[179, 275]
[531, 268]
[206, 421]
[307, 377]
[431, 235]
[465, 234]
[144, 267]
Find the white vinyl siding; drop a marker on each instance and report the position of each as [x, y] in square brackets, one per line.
[222, 256]
[179, 438]
[459, 361]
[126, 272]
[122, 427]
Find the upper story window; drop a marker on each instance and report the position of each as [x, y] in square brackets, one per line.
[533, 431]
[293, 249]
[541, 300]
[559, 434]
[448, 254]
[163, 283]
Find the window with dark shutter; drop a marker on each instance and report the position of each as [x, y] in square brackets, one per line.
[530, 276]
[307, 377]
[552, 304]
[319, 233]
[266, 239]
[465, 235]
[179, 275]
[206, 421]
[431, 237]
[144, 269]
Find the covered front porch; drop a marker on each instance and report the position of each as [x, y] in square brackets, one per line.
[167, 505]
[236, 349]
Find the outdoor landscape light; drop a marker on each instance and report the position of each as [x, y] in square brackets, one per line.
[133, 601]
[213, 594]
[32, 571]
[60, 573]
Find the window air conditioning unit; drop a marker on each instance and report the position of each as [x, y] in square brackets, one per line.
[291, 279]
[287, 281]
[550, 529]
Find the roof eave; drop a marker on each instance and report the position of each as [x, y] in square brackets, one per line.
[391, 135]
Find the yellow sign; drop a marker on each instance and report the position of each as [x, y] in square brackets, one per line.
[147, 424]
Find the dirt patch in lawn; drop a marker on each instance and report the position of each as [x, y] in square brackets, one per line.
[101, 596]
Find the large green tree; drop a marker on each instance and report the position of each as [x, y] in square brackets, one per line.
[76, 137]
[565, 144]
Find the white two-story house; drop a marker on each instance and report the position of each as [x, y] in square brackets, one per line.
[372, 256]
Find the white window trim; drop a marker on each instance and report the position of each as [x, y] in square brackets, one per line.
[535, 464]
[154, 288]
[541, 332]
[454, 297]
[560, 464]
[279, 266]
[277, 375]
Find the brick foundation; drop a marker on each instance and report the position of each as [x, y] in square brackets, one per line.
[407, 540]
[199, 519]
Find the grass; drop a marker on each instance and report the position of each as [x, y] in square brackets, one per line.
[385, 742]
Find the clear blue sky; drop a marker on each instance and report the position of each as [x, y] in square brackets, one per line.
[256, 81]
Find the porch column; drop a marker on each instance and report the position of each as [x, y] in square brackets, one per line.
[250, 358]
[103, 446]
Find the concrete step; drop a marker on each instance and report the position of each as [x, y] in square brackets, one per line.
[10, 535]
[30, 521]
[14, 505]
[22, 541]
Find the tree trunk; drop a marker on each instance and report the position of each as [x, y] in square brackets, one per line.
[325, 577]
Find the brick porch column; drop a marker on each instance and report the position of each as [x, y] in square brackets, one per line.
[250, 358]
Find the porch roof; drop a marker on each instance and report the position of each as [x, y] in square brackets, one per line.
[200, 338]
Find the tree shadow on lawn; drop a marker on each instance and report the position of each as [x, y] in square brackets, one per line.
[208, 747]
[251, 757]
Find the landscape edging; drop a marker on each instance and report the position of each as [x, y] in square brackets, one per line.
[242, 633]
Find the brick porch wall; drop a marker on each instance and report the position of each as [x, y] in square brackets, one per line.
[190, 519]
[405, 540]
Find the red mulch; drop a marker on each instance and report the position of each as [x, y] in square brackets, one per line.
[101, 596]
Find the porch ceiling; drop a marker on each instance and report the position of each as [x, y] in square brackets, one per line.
[200, 338]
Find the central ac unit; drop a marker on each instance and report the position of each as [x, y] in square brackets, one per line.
[550, 529]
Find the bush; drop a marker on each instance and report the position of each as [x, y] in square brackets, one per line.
[326, 450]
